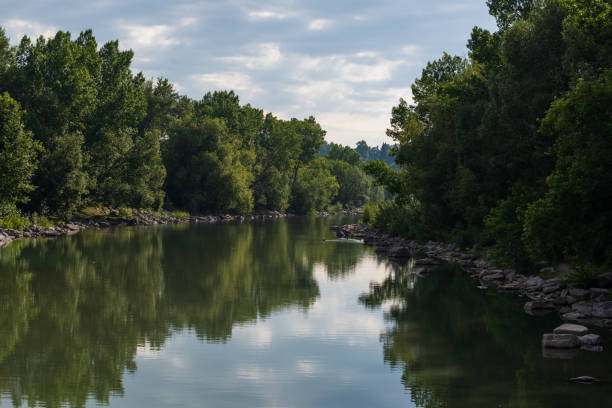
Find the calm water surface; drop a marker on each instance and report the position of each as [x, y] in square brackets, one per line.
[265, 315]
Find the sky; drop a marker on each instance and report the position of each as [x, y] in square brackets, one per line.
[346, 62]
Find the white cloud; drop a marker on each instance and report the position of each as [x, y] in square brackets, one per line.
[268, 55]
[237, 81]
[266, 15]
[348, 128]
[320, 24]
[16, 28]
[146, 36]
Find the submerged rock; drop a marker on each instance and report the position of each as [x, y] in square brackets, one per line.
[584, 379]
[537, 307]
[563, 341]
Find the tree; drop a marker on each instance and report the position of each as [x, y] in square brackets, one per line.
[314, 189]
[573, 219]
[205, 168]
[507, 12]
[344, 153]
[18, 154]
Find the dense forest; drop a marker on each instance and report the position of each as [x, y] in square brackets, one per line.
[78, 129]
[512, 146]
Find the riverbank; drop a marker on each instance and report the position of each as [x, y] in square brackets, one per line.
[114, 218]
[591, 306]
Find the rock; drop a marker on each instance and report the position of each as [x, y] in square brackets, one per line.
[599, 293]
[584, 379]
[590, 339]
[572, 316]
[602, 309]
[537, 307]
[570, 328]
[534, 283]
[585, 308]
[563, 341]
[548, 270]
[579, 294]
[400, 252]
[381, 249]
[492, 276]
[605, 280]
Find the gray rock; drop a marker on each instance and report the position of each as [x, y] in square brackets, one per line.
[493, 276]
[585, 308]
[602, 309]
[534, 283]
[548, 270]
[590, 339]
[579, 294]
[572, 316]
[564, 341]
[585, 379]
[570, 328]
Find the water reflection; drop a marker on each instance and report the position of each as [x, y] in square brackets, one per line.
[75, 311]
[460, 347]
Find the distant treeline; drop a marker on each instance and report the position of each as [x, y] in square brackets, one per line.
[384, 153]
[78, 128]
[513, 145]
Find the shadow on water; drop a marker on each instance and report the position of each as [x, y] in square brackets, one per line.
[74, 311]
[460, 347]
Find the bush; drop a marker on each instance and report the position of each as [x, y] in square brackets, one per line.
[583, 276]
[11, 218]
[180, 214]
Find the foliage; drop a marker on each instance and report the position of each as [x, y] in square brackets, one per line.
[583, 276]
[513, 141]
[315, 188]
[18, 154]
[573, 218]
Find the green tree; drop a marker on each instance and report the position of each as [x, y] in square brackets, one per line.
[18, 154]
[315, 188]
[573, 220]
[205, 168]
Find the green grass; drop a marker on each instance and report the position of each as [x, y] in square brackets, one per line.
[180, 214]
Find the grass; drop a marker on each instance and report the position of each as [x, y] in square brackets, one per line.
[180, 214]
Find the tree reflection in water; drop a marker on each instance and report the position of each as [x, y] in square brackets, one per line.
[458, 346]
[75, 310]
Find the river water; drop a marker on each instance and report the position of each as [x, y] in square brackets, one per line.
[266, 315]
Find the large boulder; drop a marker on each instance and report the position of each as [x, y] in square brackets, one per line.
[569, 328]
[602, 309]
[553, 340]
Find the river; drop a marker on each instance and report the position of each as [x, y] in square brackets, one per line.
[270, 314]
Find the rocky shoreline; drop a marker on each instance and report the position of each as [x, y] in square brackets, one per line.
[585, 306]
[113, 218]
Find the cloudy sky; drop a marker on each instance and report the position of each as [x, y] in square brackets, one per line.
[347, 62]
